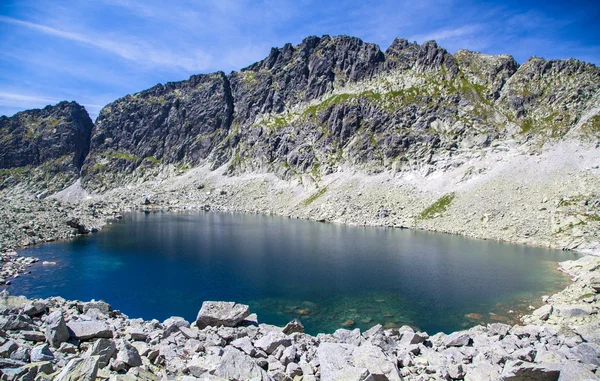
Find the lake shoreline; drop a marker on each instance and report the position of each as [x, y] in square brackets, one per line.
[560, 339]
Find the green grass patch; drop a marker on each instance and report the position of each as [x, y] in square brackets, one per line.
[153, 160]
[314, 196]
[438, 207]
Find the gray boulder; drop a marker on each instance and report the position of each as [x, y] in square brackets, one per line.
[376, 362]
[128, 354]
[457, 339]
[293, 327]
[41, 353]
[526, 371]
[543, 313]
[86, 330]
[272, 340]
[237, 366]
[56, 329]
[228, 314]
[104, 349]
[587, 353]
[173, 324]
[79, 369]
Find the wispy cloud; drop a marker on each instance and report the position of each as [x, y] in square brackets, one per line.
[450, 33]
[17, 100]
[138, 52]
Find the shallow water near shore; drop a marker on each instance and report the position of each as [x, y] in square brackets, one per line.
[156, 265]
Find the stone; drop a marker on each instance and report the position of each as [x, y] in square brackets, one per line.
[543, 313]
[86, 330]
[409, 338]
[21, 354]
[8, 348]
[35, 336]
[101, 306]
[228, 314]
[244, 344]
[137, 334]
[525, 371]
[236, 366]
[587, 353]
[35, 308]
[79, 369]
[483, 371]
[293, 327]
[575, 310]
[172, 325]
[272, 340]
[56, 329]
[372, 358]
[41, 353]
[457, 339]
[128, 354]
[293, 370]
[104, 349]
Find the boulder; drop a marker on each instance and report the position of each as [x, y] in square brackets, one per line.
[86, 330]
[376, 362]
[587, 353]
[526, 371]
[172, 325]
[543, 313]
[35, 308]
[293, 327]
[573, 311]
[128, 354]
[101, 306]
[457, 339]
[79, 369]
[272, 340]
[244, 344]
[56, 329]
[104, 349]
[228, 314]
[41, 353]
[8, 348]
[483, 371]
[236, 366]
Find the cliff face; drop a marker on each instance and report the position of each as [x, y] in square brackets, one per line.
[330, 102]
[44, 149]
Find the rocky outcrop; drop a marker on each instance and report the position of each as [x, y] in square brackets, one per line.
[309, 110]
[558, 347]
[44, 149]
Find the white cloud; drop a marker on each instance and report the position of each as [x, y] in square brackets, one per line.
[446, 34]
[138, 52]
[16, 100]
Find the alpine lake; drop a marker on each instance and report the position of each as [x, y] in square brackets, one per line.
[329, 276]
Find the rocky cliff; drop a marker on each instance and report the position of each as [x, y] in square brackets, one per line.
[43, 150]
[306, 111]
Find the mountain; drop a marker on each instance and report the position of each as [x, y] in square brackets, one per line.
[43, 150]
[332, 102]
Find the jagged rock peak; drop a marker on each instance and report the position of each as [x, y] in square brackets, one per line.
[44, 149]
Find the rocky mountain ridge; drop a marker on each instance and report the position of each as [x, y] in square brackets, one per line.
[336, 101]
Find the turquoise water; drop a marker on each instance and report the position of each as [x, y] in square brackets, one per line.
[157, 265]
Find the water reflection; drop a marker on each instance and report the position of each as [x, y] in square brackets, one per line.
[159, 264]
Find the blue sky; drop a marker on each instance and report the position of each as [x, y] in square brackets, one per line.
[95, 51]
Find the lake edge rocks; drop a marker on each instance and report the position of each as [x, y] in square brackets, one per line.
[561, 340]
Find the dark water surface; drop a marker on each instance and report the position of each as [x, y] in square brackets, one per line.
[158, 265]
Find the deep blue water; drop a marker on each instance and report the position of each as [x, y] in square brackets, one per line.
[158, 265]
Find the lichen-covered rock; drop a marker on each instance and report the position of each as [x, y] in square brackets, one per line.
[79, 369]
